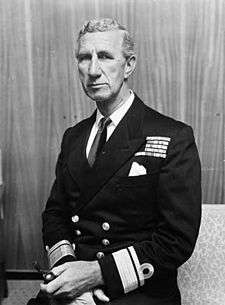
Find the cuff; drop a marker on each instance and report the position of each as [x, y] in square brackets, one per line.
[131, 272]
[60, 250]
[128, 273]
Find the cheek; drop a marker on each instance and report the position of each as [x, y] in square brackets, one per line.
[82, 72]
[115, 73]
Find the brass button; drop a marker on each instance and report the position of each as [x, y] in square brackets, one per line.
[105, 226]
[75, 218]
[100, 255]
[78, 232]
[105, 242]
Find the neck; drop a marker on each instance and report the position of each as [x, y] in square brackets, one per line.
[107, 107]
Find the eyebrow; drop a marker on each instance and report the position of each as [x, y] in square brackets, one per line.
[105, 52]
[100, 52]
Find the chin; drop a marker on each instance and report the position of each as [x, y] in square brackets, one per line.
[98, 97]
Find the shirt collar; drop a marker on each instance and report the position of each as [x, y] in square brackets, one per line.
[119, 113]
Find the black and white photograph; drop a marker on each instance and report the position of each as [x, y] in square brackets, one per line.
[112, 152]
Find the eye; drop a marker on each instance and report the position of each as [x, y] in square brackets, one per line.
[83, 57]
[104, 55]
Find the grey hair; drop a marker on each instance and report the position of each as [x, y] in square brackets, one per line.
[105, 25]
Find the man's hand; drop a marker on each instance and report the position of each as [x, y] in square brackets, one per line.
[73, 279]
[84, 299]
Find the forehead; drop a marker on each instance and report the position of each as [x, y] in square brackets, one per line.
[101, 41]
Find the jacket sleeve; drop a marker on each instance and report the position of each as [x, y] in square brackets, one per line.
[56, 227]
[174, 238]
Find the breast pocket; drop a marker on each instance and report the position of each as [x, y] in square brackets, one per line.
[138, 181]
[137, 197]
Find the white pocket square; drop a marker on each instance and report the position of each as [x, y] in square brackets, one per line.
[137, 170]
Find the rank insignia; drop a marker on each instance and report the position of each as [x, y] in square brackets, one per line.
[155, 147]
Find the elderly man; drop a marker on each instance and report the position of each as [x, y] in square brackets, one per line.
[124, 210]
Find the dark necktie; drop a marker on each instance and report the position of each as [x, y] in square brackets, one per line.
[99, 140]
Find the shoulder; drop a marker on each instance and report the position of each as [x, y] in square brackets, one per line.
[80, 127]
[158, 128]
[160, 124]
[169, 136]
[77, 130]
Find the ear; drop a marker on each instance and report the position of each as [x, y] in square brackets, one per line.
[129, 66]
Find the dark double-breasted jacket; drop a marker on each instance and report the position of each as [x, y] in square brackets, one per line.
[152, 218]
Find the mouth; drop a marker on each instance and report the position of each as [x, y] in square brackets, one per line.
[96, 85]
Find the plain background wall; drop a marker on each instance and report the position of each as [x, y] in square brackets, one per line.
[180, 72]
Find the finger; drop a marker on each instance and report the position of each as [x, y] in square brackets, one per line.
[59, 269]
[52, 287]
[86, 298]
[99, 293]
[44, 288]
[55, 284]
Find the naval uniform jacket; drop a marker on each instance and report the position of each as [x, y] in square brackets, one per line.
[141, 228]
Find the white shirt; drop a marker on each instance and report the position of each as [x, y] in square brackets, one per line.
[115, 117]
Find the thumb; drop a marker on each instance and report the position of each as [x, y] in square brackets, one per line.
[99, 293]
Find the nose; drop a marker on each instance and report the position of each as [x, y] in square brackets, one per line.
[94, 67]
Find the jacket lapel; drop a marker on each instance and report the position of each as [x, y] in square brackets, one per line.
[124, 142]
[77, 163]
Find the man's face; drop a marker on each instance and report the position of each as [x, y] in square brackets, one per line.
[101, 64]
